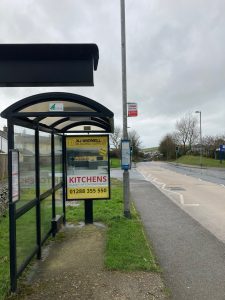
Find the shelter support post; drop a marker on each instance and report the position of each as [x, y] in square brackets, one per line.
[53, 173]
[12, 213]
[13, 271]
[37, 179]
[64, 178]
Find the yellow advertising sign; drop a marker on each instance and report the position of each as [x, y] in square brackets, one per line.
[87, 167]
[84, 141]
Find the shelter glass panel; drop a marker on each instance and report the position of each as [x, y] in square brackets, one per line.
[46, 216]
[81, 128]
[59, 202]
[3, 145]
[25, 236]
[24, 140]
[58, 159]
[49, 121]
[45, 161]
[58, 174]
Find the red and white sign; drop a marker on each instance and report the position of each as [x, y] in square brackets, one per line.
[132, 109]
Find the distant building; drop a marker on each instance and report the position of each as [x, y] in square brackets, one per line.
[3, 140]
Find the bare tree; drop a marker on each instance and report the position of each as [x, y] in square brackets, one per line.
[135, 142]
[167, 147]
[193, 131]
[187, 130]
[209, 145]
[176, 138]
[115, 137]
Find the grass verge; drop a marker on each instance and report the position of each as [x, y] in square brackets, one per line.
[126, 245]
[115, 163]
[195, 161]
[4, 256]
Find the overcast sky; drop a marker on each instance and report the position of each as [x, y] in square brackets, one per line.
[175, 56]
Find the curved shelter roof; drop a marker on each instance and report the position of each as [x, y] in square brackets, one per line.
[61, 112]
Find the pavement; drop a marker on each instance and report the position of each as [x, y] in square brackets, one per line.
[191, 258]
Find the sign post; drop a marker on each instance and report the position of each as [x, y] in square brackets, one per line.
[177, 151]
[126, 178]
[222, 149]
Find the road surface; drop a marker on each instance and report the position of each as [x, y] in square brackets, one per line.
[202, 200]
[215, 175]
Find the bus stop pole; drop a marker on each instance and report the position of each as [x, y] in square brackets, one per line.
[126, 180]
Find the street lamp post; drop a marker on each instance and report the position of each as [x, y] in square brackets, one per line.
[200, 131]
[126, 179]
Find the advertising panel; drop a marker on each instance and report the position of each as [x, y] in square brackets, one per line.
[88, 167]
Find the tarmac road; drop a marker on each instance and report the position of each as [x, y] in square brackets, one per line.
[215, 175]
[191, 257]
[203, 200]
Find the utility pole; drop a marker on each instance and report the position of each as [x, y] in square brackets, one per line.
[200, 131]
[126, 180]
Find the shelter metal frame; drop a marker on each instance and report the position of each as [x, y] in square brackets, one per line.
[33, 113]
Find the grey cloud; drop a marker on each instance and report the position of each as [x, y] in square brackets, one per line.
[175, 55]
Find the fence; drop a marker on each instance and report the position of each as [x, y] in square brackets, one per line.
[3, 198]
[3, 166]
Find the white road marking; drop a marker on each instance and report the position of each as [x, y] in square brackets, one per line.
[162, 186]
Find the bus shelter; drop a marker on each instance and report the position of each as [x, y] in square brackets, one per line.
[37, 129]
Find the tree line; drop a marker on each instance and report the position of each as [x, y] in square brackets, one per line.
[186, 140]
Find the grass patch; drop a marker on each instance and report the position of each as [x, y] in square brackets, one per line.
[195, 161]
[127, 248]
[115, 163]
[126, 245]
[152, 149]
[4, 256]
